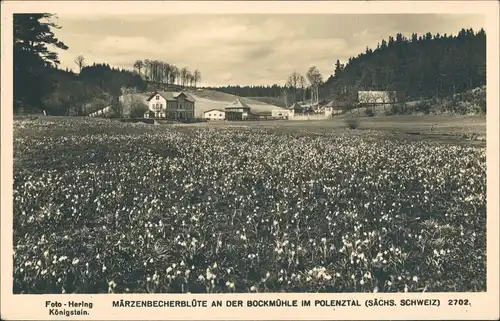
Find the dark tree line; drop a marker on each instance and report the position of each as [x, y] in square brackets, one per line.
[40, 84]
[33, 62]
[424, 66]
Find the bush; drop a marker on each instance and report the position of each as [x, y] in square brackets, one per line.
[137, 110]
[423, 107]
[352, 123]
[369, 112]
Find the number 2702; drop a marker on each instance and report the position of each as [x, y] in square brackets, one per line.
[458, 302]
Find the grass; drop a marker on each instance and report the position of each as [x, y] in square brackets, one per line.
[107, 207]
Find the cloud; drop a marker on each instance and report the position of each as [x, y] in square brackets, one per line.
[242, 49]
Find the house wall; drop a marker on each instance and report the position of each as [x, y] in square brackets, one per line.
[180, 109]
[280, 113]
[215, 115]
[311, 117]
[158, 105]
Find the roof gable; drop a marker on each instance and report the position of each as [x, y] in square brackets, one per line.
[172, 95]
[237, 104]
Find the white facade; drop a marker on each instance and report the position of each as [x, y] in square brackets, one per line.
[158, 105]
[215, 114]
[282, 113]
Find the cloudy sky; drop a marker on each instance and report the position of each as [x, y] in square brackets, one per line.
[241, 49]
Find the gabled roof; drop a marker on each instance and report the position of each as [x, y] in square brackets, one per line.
[171, 95]
[237, 104]
[214, 110]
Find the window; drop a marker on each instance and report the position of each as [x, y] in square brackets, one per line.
[157, 97]
[220, 115]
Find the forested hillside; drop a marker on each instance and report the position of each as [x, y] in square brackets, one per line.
[423, 66]
[420, 67]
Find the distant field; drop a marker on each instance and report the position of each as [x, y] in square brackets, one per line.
[270, 100]
[454, 129]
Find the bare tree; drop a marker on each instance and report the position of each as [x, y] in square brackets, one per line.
[189, 78]
[80, 62]
[197, 77]
[293, 82]
[183, 74]
[302, 84]
[167, 69]
[174, 74]
[147, 68]
[315, 79]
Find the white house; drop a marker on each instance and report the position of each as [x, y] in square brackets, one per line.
[214, 114]
[171, 105]
[282, 113]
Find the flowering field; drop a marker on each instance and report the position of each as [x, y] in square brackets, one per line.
[106, 207]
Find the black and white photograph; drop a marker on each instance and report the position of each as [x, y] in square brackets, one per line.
[249, 153]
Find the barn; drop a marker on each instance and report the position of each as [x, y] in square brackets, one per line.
[237, 110]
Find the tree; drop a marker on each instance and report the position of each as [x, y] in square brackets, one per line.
[183, 74]
[33, 34]
[80, 62]
[138, 65]
[293, 82]
[302, 84]
[174, 75]
[197, 77]
[315, 79]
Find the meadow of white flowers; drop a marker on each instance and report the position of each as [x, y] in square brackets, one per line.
[106, 207]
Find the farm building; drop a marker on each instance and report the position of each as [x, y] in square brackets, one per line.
[300, 109]
[101, 112]
[376, 97]
[260, 115]
[171, 105]
[237, 110]
[215, 114]
[282, 113]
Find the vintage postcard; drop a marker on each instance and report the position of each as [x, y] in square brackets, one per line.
[250, 160]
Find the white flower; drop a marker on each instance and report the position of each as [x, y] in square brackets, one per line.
[415, 279]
